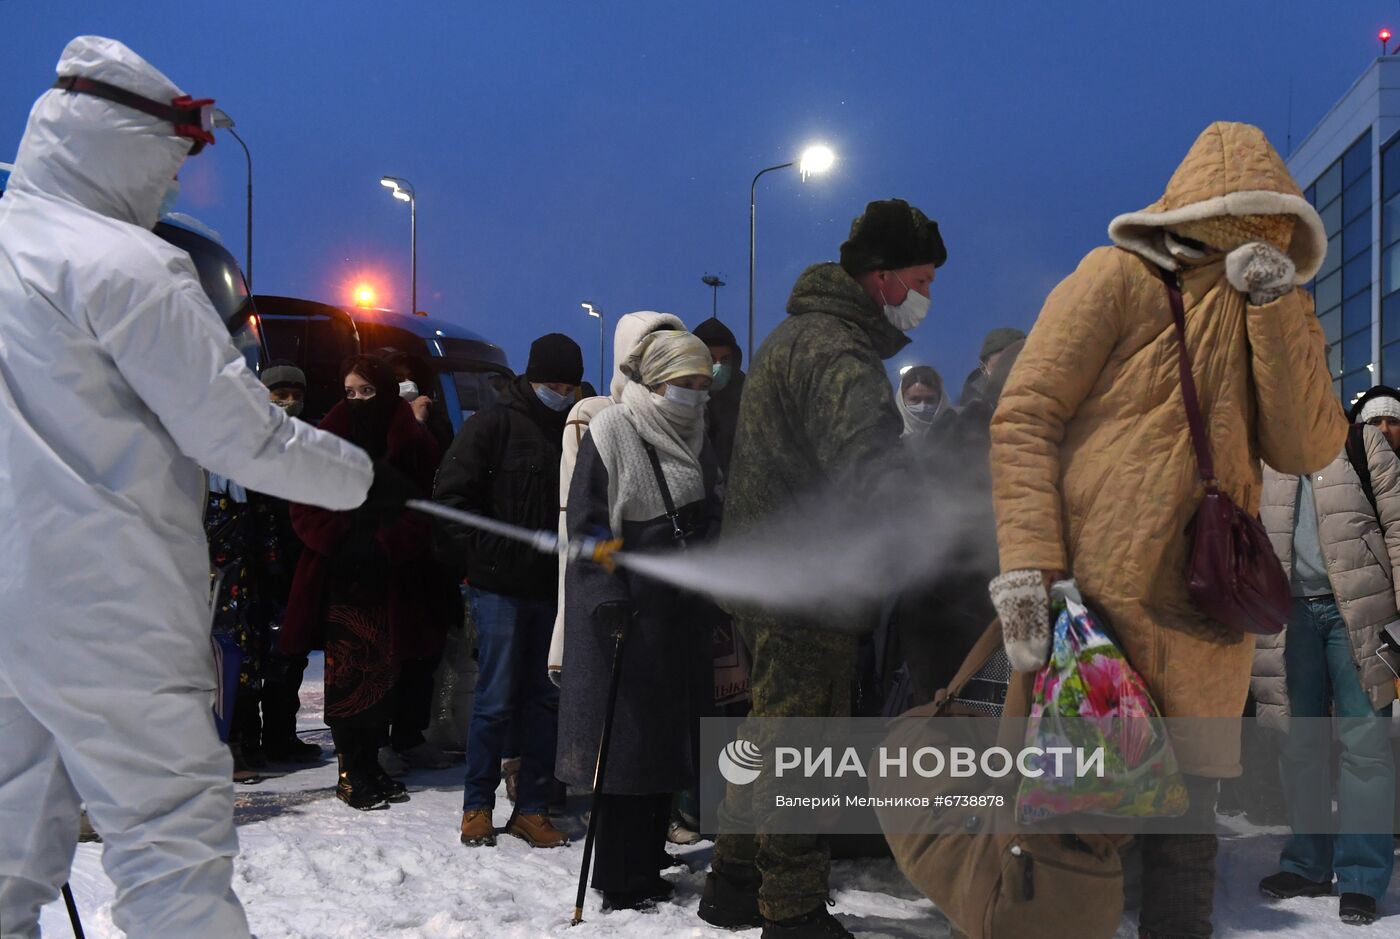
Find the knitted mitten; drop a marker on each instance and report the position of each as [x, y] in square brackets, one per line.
[1024, 608]
[1260, 270]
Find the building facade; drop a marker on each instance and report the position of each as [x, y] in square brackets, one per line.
[1349, 168]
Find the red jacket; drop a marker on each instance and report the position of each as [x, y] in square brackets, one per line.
[422, 598]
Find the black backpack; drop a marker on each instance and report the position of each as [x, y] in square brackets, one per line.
[1356, 453]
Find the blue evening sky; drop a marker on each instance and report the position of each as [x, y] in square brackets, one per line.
[603, 151]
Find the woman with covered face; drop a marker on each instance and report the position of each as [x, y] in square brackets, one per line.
[363, 582]
[647, 474]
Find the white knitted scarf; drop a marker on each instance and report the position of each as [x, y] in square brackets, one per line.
[633, 493]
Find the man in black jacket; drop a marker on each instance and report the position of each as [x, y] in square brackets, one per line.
[505, 464]
[722, 413]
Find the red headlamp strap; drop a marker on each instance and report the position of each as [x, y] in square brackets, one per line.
[192, 118]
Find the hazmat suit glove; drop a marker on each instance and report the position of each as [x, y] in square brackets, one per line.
[1022, 601]
[1261, 271]
[388, 493]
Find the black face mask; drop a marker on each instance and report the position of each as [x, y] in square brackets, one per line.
[369, 424]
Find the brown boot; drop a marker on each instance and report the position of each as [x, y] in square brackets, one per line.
[477, 829]
[536, 830]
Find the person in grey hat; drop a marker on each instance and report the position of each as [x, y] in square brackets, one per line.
[286, 385]
[993, 347]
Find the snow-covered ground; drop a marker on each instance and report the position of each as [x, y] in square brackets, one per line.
[312, 868]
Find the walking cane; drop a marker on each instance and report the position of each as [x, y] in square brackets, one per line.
[73, 918]
[620, 638]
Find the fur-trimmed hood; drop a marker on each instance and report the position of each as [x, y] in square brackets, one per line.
[1231, 169]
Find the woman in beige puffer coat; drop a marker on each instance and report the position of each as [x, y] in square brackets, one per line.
[1093, 469]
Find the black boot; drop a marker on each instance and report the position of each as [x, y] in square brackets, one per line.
[730, 900]
[1285, 885]
[390, 788]
[1357, 909]
[818, 924]
[354, 787]
[281, 684]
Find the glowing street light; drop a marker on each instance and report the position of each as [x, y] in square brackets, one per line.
[364, 296]
[904, 370]
[815, 159]
[602, 346]
[403, 191]
[1384, 36]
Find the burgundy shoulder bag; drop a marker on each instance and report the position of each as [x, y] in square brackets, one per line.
[1233, 575]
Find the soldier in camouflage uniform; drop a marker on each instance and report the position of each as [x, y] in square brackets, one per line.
[818, 415]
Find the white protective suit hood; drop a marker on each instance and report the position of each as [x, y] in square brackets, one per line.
[104, 156]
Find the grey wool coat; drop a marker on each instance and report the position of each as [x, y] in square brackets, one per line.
[667, 669]
[1362, 554]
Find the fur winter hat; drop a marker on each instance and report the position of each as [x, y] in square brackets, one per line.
[889, 235]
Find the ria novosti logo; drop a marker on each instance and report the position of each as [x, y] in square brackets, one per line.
[740, 763]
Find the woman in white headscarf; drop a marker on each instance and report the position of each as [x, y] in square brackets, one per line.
[646, 474]
[921, 400]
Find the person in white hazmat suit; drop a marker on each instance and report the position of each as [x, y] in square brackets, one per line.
[118, 381]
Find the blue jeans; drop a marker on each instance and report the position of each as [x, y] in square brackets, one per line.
[1321, 669]
[514, 697]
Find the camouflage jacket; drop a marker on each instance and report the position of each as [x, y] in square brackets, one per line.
[818, 413]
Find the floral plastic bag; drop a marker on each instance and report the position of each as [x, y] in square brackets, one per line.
[1087, 697]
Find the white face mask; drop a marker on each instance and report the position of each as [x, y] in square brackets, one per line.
[925, 412]
[910, 312]
[687, 397]
[408, 390]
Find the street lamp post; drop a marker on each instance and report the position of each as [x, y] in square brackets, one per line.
[714, 283]
[222, 120]
[403, 191]
[602, 346]
[815, 159]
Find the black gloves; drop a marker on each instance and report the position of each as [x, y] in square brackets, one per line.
[388, 493]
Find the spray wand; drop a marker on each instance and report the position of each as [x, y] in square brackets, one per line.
[598, 551]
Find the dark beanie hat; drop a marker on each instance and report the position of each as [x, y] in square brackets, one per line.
[555, 358]
[891, 234]
[714, 333]
[999, 339]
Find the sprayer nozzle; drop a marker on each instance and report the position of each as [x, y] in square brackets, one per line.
[603, 553]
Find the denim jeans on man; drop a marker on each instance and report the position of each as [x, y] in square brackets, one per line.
[513, 692]
[1321, 670]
